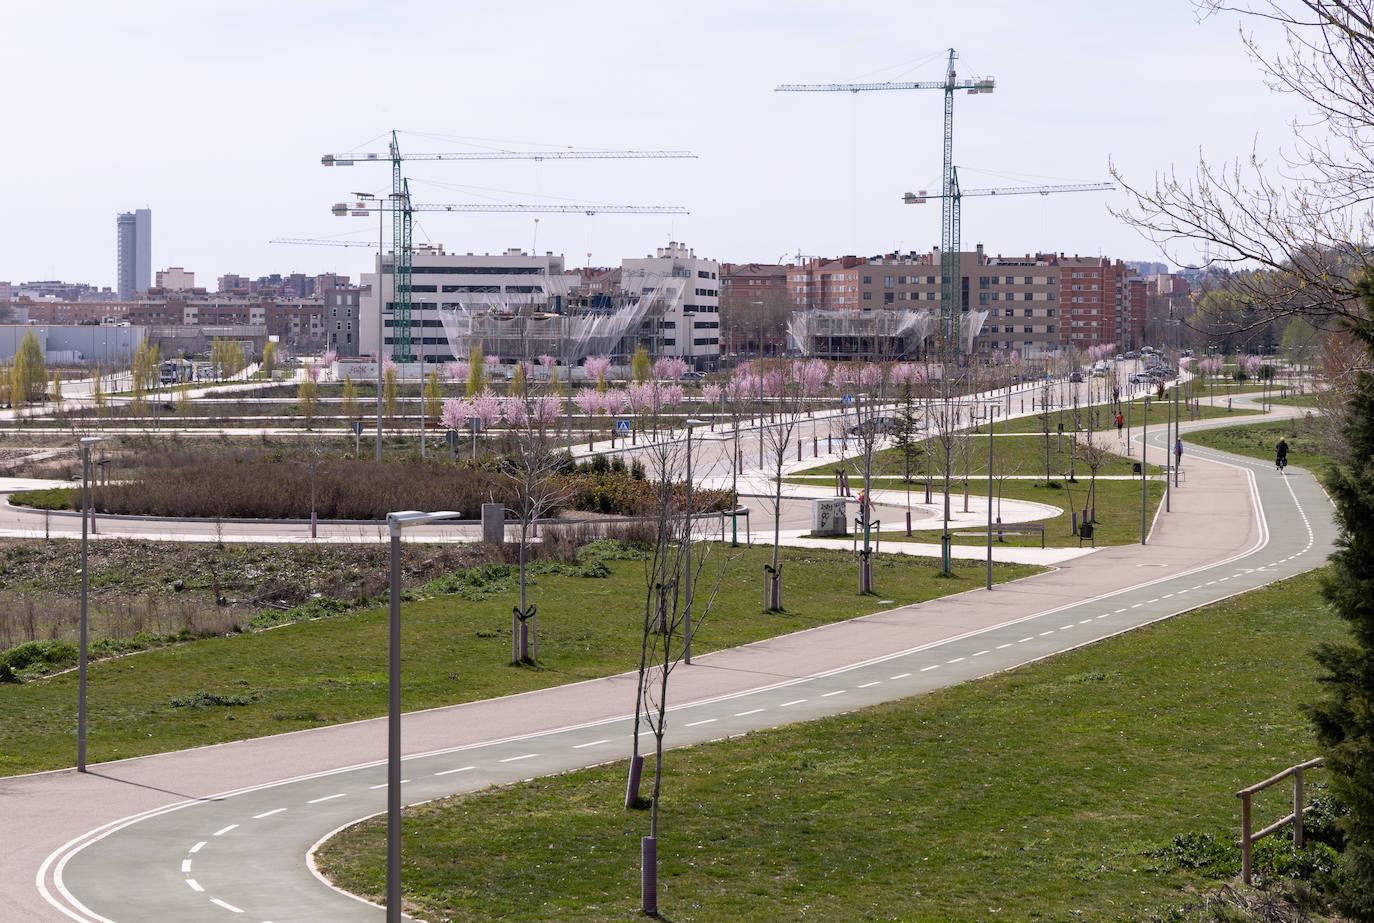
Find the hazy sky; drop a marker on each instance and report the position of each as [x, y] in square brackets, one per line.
[215, 114]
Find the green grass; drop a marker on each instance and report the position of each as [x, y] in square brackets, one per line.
[1020, 454]
[1305, 446]
[1133, 410]
[1118, 513]
[456, 650]
[50, 498]
[1035, 794]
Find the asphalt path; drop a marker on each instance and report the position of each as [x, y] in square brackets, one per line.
[225, 832]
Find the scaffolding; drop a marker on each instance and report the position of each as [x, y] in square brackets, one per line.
[556, 321]
[872, 334]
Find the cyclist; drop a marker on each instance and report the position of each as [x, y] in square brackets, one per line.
[1281, 454]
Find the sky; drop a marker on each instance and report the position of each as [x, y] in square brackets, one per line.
[215, 114]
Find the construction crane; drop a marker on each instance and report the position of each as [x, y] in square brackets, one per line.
[949, 226]
[403, 210]
[345, 209]
[952, 202]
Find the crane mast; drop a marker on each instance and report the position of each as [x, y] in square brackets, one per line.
[951, 307]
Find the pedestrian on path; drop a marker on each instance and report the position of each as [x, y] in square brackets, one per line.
[1120, 421]
[1178, 452]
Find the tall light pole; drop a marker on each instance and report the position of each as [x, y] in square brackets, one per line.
[364, 197]
[395, 523]
[687, 607]
[992, 416]
[1144, 462]
[86, 443]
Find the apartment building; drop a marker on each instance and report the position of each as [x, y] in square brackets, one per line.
[755, 301]
[685, 301]
[826, 284]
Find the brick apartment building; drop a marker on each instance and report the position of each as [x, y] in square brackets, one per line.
[755, 301]
[1036, 303]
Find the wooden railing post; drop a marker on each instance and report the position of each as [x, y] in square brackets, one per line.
[1245, 837]
[1297, 808]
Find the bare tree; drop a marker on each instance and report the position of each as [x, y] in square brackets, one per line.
[1296, 229]
[536, 458]
[671, 608]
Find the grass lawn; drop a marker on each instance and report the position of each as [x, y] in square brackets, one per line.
[1133, 410]
[1305, 448]
[1118, 513]
[1035, 794]
[456, 650]
[1019, 454]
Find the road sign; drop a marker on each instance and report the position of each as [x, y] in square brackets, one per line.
[452, 437]
[474, 424]
[623, 427]
[848, 399]
[357, 427]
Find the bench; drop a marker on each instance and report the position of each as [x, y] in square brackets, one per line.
[1024, 528]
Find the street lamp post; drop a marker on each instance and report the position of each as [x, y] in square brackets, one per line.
[86, 443]
[1144, 462]
[992, 416]
[395, 523]
[687, 577]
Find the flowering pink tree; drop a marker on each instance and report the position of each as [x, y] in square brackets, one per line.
[670, 368]
[486, 409]
[597, 367]
[329, 358]
[711, 394]
[673, 396]
[456, 371]
[514, 411]
[544, 409]
[841, 376]
[455, 414]
[312, 371]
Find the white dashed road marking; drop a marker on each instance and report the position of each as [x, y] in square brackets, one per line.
[198, 847]
[826, 695]
[866, 685]
[268, 813]
[523, 756]
[449, 772]
[195, 885]
[590, 743]
[692, 724]
[793, 702]
[326, 798]
[185, 865]
[752, 711]
[900, 676]
[227, 906]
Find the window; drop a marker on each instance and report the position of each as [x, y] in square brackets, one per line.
[996, 296]
[982, 298]
[1010, 312]
[868, 296]
[1028, 329]
[1027, 280]
[1028, 312]
[1028, 296]
[868, 280]
[888, 281]
[887, 297]
[992, 329]
[667, 325]
[706, 341]
[901, 280]
[982, 281]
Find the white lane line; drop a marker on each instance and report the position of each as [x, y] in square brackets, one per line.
[1198, 587]
[1084, 621]
[326, 798]
[1001, 646]
[195, 885]
[956, 660]
[1119, 611]
[590, 743]
[752, 711]
[692, 724]
[1169, 595]
[268, 813]
[225, 830]
[523, 756]
[1137, 605]
[227, 906]
[876, 682]
[1024, 640]
[198, 847]
[1155, 600]
[933, 666]
[185, 865]
[385, 784]
[793, 702]
[449, 772]
[981, 653]
[1105, 615]
[826, 695]
[1209, 582]
[900, 676]
[1050, 632]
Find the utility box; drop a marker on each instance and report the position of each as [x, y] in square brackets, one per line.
[494, 523]
[830, 516]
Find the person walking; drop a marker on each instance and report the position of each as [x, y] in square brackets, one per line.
[1281, 454]
[1120, 421]
[1178, 452]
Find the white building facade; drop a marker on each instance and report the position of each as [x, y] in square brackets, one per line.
[689, 325]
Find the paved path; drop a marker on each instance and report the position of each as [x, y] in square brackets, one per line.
[222, 833]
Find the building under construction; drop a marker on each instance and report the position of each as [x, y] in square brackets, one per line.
[520, 306]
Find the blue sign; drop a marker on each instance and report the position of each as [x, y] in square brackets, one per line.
[623, 427]
[848, 399]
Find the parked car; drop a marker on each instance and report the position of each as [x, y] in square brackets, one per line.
[1076, 377]
[883, 426]
[1133, 355]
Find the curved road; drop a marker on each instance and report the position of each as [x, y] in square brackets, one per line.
[223, 833]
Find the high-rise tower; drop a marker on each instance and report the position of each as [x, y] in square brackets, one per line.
[134, 258]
